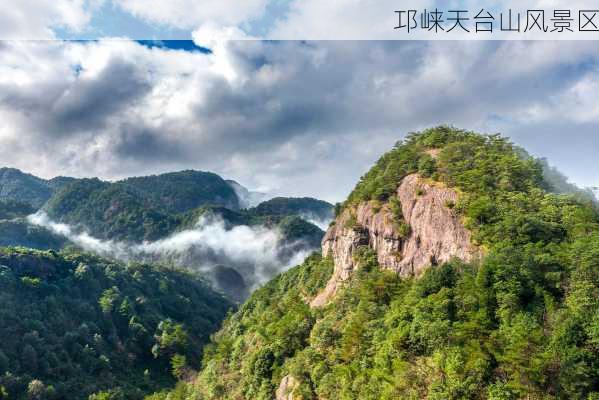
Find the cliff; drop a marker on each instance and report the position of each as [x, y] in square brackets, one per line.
[435, 233]
[515, 323]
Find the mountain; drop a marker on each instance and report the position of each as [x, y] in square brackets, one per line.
[172, 218]
[19, 232]
[141, 208]
[150, 208]
[75, 324]
[11, 209]
[25, 188]
[295, 206]
[109, 211]
[318, 212]
[247, 198]
[185, 190]
[78, 325]
[452, 271]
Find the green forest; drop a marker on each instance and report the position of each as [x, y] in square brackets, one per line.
[520, 323]
[75, 325]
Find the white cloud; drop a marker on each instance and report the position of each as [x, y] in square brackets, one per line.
[38, 19]
[257, 253]
[291, 118]
[191, 14]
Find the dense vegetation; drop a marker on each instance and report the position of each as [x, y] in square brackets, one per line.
[25, 188]
[75, 324]
[109, 211]
[15, 231]
[185, 190]
[18, 232]
[149, 208]
[144, 208]
[523, 322]
[11, 209]
[303, 206]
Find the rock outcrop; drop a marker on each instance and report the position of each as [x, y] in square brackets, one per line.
[436, 235]
[286, 388]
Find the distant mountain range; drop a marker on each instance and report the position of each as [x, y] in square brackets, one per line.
[102, 216]
[144, 208]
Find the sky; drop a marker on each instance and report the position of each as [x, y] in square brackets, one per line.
[296, 118]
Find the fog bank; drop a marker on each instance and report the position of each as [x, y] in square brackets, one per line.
[255, 252]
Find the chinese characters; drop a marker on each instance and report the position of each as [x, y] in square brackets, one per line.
[485, 21]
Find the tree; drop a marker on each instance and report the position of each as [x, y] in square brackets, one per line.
[170, 339]
[36, 390]
[179, 366]
[29, 358]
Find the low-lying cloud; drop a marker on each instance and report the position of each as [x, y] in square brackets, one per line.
[257, 253]
[321, 222]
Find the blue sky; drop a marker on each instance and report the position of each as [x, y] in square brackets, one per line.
[113, 21]
[110, 20]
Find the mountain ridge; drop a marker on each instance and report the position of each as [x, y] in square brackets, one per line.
[150, 214]
[519, 322]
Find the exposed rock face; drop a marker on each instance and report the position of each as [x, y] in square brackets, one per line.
[286, 388]
[436, 236]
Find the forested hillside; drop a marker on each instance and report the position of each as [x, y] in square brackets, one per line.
[75, 324]
[189, 219]
[150, 208]
[136, 209]
[518, 321]
[16, 231]
[295, 206]
[25, 188]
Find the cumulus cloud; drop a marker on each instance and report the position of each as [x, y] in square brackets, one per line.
[38, 19]
[257, 253]
[288, 118]
[190, 13]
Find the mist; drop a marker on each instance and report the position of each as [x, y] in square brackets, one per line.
[257, 253]
[247, 198]
[319, 221]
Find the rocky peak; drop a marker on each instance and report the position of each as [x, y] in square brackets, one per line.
[435, 233]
